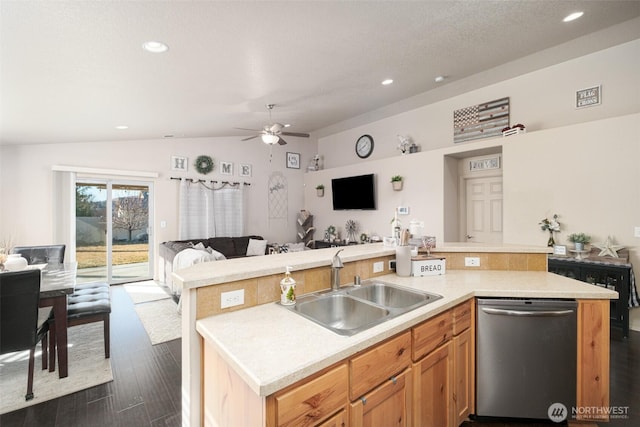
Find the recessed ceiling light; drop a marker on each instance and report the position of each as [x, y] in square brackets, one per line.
[122, 127]
[155, 47]
[439, 79]
[573, 16]
[287, 125]
[387, 82]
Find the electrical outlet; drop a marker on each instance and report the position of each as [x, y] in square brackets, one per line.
[232, 298]
[378, 267]
[392, 265]
[471, 261]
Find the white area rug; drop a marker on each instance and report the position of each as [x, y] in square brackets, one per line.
[87, 368]
[145, 291]
[161, 320]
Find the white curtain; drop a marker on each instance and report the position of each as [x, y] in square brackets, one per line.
[208, 212]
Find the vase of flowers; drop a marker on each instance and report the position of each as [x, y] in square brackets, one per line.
[552, 226]
[403, 144]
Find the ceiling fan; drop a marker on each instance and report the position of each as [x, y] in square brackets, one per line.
[272, 133]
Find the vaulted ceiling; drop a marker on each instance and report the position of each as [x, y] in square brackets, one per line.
[71, 71]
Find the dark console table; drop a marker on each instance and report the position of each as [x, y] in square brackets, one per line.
[611, 273]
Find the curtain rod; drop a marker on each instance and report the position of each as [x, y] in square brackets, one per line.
[213, 181]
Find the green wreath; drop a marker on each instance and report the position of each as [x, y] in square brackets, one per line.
[204, 164]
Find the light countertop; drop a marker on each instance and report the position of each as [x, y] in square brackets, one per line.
[211, 273]
[271, 347]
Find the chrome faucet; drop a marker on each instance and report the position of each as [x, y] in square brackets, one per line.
[336, 265]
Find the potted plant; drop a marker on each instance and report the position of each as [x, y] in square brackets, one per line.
[396, 182]
[320, 190]
[579, 240]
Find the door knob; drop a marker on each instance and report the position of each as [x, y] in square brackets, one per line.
[469, 237]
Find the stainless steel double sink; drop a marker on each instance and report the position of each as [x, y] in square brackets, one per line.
[355, 308]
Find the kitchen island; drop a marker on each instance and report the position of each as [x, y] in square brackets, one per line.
[268, 348]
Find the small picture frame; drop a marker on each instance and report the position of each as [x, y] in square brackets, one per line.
[589, 97]
[244, 170]
[226, 168]
[560, 250]
[179, 163]
[293, 160]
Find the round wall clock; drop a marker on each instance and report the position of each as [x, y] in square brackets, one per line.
[364, 146]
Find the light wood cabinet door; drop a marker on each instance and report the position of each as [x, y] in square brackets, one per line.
[432, 389]
[462, 376]
[389, 405]
[338, 420]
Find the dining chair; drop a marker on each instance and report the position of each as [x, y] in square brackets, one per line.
[90, 302]
[22, 323]
[41, 254]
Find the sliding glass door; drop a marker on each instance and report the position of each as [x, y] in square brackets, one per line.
[113, 231]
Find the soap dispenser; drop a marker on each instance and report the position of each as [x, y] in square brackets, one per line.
[288, 289]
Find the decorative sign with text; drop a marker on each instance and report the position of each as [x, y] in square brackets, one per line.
[589, 97]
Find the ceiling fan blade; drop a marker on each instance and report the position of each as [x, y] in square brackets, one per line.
[253, 130]
[251, 137]
[282, 141]
[300, 134]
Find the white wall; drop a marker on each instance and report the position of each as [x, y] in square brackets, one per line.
[27, 180]
[579, 163]
[540, 100]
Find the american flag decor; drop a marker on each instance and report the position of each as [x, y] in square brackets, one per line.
[481, 121]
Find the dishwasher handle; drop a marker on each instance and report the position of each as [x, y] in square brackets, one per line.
[527, 313]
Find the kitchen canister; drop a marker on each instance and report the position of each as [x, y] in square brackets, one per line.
[15, 262]
[403, 261]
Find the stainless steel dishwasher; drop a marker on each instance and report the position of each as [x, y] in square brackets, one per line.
[525, 357]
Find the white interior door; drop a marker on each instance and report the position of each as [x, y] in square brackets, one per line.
[484, 209]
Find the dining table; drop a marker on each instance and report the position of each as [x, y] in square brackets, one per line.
[57, 282]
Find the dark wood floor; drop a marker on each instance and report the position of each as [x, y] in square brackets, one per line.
[146, 386]
[145, 390]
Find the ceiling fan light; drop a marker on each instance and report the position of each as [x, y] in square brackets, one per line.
[269, 138]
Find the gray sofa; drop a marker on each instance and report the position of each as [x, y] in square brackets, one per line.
[230, 247]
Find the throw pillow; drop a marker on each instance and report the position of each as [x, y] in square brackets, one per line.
[256, 247]
[218, 255]
[296, 247]
[199, 246]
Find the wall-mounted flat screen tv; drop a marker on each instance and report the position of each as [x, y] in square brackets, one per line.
[354, 192]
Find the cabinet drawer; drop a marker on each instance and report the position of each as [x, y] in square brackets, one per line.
[432, 334]
[311, 402]
[461, 317]
[374, 366]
